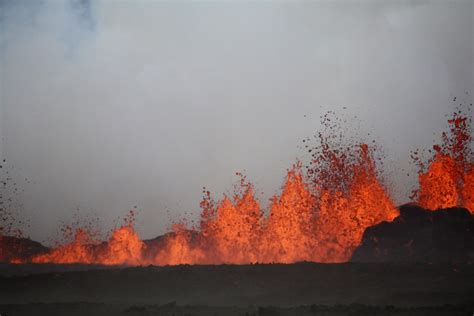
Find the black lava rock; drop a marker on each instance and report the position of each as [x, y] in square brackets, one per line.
[419, 235]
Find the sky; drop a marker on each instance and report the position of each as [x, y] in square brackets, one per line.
[107, 105]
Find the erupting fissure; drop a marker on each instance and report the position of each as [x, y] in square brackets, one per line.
[320, 215]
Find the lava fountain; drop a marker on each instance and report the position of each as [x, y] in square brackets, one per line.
[320, 215]
[448, 179]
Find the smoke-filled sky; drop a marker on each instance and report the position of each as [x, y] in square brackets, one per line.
[106, 105]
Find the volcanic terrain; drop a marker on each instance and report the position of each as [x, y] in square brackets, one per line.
[331, 243]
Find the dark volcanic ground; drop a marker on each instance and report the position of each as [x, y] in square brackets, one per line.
[422, 263]
[296, 289]
[419, 235]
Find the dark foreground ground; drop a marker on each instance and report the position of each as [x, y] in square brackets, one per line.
[297, 289]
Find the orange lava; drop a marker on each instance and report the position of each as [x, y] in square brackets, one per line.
[306, 222]
[448, 180]
[468, 189]
[123, 247]
[289, 234]
[345, 214]
[439, 184]
[76, 251]
[320, 215]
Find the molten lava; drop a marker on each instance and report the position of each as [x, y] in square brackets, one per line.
[448, 180]
[123, 247]
[345, 214]
[79, 250]
[305, 223]
[289, 234]
[320, 215]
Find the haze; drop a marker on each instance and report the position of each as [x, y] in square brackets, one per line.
[110, 105]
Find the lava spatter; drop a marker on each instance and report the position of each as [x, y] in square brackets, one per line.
[320, 215]
[447, 179]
